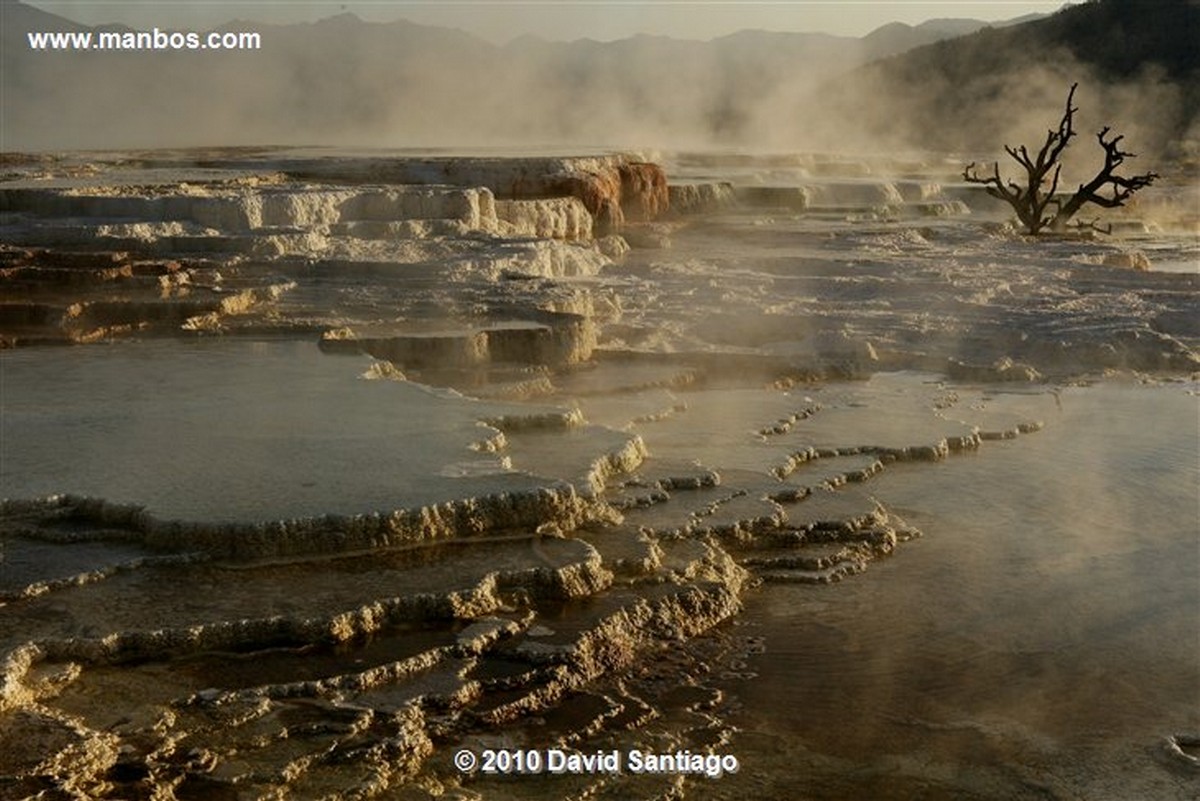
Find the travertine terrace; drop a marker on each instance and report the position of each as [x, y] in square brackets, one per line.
[436, 452]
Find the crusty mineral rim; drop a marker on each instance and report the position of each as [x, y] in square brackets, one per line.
[562, 503]
[1178, 745]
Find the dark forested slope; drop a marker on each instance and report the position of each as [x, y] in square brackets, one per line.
[1138, 65]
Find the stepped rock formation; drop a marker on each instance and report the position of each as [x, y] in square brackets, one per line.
[419, 219]
[611, 188]
[374, 644]
[385, 458]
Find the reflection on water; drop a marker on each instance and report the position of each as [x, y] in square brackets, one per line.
[1040, 642]
[234, 430]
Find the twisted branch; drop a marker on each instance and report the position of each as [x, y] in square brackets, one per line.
[1030, 201]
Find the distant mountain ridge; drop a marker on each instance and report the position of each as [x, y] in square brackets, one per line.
[345, 81]
[898, 37]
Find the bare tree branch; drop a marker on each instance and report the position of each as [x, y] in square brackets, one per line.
[1093, 225]
[1107, 189]
[1120, 187]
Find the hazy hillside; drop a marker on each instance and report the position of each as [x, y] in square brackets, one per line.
[897, 37]
[948, 83]
[1138, 65]
[345, 81]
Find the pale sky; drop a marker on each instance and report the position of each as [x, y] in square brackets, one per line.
[502, 20]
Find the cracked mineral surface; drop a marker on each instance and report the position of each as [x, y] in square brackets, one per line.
[319, 469]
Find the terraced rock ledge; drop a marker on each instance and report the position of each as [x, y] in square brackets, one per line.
[363, 460]
[349, 655]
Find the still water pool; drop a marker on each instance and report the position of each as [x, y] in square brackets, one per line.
[237, 430]
[1041, 641]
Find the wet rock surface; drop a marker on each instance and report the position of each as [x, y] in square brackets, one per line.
[384, 459]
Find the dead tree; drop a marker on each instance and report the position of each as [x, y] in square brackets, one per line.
[1033, 201]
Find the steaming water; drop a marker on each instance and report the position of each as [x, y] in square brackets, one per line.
[1039, 642]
